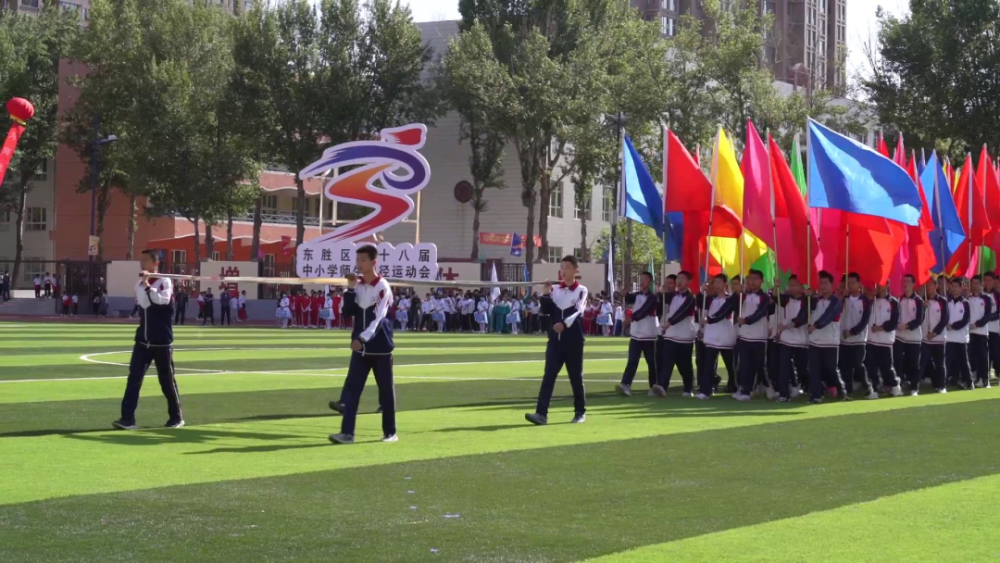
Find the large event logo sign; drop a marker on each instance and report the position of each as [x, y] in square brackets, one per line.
[386, 173]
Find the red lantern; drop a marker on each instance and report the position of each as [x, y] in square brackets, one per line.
[20, 111]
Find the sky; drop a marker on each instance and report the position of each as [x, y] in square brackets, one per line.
[861, 22]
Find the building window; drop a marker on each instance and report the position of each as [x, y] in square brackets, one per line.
[179, 256]
[577, 212]
[269, 204]
[29, 3]
[32, 267]
[42, 173]
[670, 27]
[607, 204]
[555, 254]
[556, 200]
[663, 24]
[215, 255]
[34, 219]
[672, 5]
[269, 269]
[4, 220]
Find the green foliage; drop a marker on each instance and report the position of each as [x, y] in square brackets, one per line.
[933, 74]
[646, 246]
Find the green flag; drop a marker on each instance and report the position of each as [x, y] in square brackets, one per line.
[798, 170]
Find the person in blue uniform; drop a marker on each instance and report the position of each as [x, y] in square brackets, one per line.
[154, 340]
[368, 301]
[564, 304]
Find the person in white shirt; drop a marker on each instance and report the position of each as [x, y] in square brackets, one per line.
[565, 305]
[619, 318]
[234, 305]
[679, 332]
[403, 313]
[327, 312]
[981, 306]
[956, 352]
[606, 316]
[426, 311]
[793, 342]
[38, 287]
[824, 341]
[76, 304]
[854, 323]
[284, 310]
[991, 286]
[515, 315]
[752, 334]
[909, 334]
[881, 340]
[719, 334]
[241, 303]
[482, 314]
[935, 338]
[645, 321]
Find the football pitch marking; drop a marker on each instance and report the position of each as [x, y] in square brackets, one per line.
[311, 372]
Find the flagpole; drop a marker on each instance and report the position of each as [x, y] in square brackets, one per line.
[774, 230]
[711, 210]
[666, 158]
[937, 208]
[809, 261]
[972, 170]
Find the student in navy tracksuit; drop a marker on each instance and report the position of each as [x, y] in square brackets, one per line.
[564, 304]
[752, 336]
[992, 286]
[909, 335]
[935, 327]
[824, 341]
[678, 339]
[854, 319]
[956, 351]
[154, 340]
[981, 312]
[881, 339]
[793, 342]
[368, 301]
[645, 331]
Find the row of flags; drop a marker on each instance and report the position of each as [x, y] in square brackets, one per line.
[845, 208]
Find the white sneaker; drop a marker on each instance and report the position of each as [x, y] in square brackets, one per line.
[986, 385]
[896, 391]
[702, 397]
[741, 397]
[873, 395]
[390, 438]
[687, 395]
[659, 391]
[926, 381]
[651, 392]
[914, 393]
[796, 391]
[942, 390]
[624, 389]
[770, 392]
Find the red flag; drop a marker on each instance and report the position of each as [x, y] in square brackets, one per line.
[689, 190]
[863, 243]
[791, 218]
[757, 188]
[883, 149]
[987, 178]
[916, 255]
[900, 155]
[969, 201]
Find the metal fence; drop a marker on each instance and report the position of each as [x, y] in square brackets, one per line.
[83, 279]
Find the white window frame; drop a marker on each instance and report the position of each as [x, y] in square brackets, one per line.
[178, 256]
[216, 256]
[265, 200]
[555, 254]
[556, 198]
[607, 204]
[36, 219]
[588, 207]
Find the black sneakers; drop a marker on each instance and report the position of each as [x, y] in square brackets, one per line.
[337, 406]
[536, 419]
[174, 423]
[123, 424]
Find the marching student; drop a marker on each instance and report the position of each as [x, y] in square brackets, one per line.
[981, 312]
[909, 335]
[645, 323]
[824, 341]
[881, 340]
[932, 351]
[992, 286]
[700, 303]
[855, 317]
[154, 341]
[669, 285]
[719, 335]
[678, 338]
[565, 305]
[752, 336]
[368, 300]
[793, 342]
[956, 353]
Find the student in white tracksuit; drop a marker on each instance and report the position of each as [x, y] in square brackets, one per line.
[935, 327]
[719, 334]
[515, 312]
[483, 309]
[854, 321]
[881, 340]
[752, 336]
[679, 332]
[793, 342]
[824, 341]
[992, 286]
[645, 322]
[328, 311]
[956, 351]
[909, 335]
[981, 311]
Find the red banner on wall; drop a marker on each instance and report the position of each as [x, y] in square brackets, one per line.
[503, 239]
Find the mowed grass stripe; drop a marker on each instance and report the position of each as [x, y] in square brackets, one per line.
[952, 522]
[283, 432]
[554, 504]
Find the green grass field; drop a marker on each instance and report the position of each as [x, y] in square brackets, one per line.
[253, 477]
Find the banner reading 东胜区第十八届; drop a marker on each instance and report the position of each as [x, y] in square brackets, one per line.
[336, 259]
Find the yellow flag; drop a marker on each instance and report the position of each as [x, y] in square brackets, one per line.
[727, 180]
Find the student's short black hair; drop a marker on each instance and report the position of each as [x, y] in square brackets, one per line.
[793, 277]
[672, 277]
[153, 255]
[990, 275]
[685, 273]
[737, 279]
[824, 275]
[368, 250]
[647, 274]
[956, 279]
[977, 278]
[911, 277]
[571, 259]
[854, 276]
[723, 277]
[757, 273]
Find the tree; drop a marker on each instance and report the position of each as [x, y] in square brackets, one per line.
[933, 74]
[467, 63]
[35, 44]
[646, 246]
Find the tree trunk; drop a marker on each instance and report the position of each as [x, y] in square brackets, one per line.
[103, 202]
[15, 279]
[544, 191]
[229, 238]
[197, 251]
[258, 221]
[209, 241]
[475, 229]
[529, 245]
[584, 251]
[300, 208]
[130, 233]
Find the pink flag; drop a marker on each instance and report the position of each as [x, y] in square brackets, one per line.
[756, 171]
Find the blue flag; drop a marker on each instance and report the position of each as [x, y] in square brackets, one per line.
[515, 245]
[847, 175]
[641, 201]
[948, 233]
[674, 245]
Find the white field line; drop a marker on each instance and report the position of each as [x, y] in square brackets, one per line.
[316, 373]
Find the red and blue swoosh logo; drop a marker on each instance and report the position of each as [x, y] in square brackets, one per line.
[387, 172]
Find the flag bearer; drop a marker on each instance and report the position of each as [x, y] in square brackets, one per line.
[981, 307]
[932, 351]
[679, 332]
[881, 340]
[855, 318]
[824, 341]
[645, 323]
[793, 342]
[956, 352]
[992, 286]
[752, 335]
[719, 336]
[909, 334]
